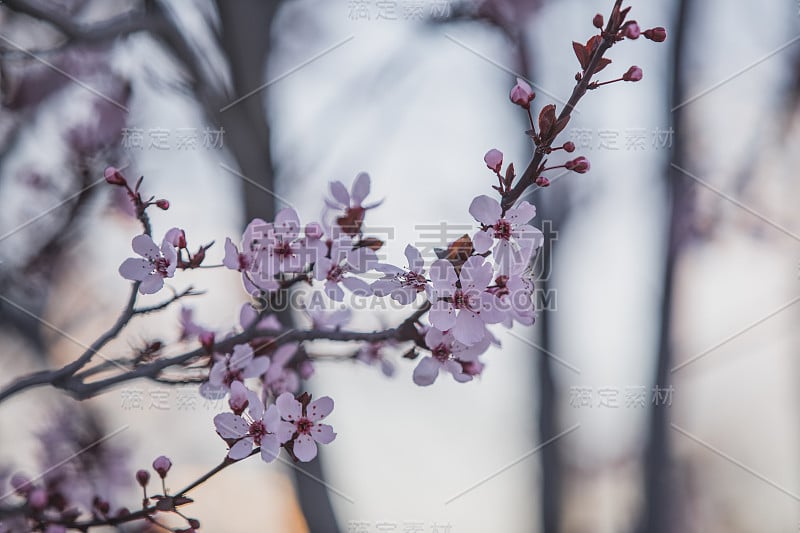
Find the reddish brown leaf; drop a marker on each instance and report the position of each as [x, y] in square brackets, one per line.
[581, 53]
[547, 119]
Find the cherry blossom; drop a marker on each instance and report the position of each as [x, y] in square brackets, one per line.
[462, 302]
[236, 366]
[305, 419]
[279, 377]
[155, 265]
[261, 427]
[344, 261]
[515, 295]
[448, 354]
[401, 284]
[351, 203]
[371, 353]
[522, 94]
[514, 240]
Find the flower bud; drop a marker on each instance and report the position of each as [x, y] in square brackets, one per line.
[176, 237]
[162, 204]
[541, 181]
[494, 159]
[522, 94]
[238, 400]
[631, 30]
[579, 164]
[142, 477]
[569, 147]
[162, 465]
[114, 177]
[634, 74]
[597, 21]
[657, 34]
[207, 340]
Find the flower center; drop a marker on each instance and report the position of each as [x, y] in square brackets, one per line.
[304, 426]
[502, 229]
[161, 265]
[257, 431]
[412, 279]
[461, 300]
[335, 274]
[441, 352]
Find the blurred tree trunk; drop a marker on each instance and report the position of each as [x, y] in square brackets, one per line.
[660, 514]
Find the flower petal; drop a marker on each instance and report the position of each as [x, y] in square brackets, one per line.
[231, 426]
[485, 209]
[320, 408]
[270, 448]
[442, 316]
[482, 241]
[360, 188]
[231, 259]
[305, 448]
[151, 284]
[241, 449]
[426, 371]
[135, 269]
[290, 408]
[144, 246]
[323, 433]
[339, 192]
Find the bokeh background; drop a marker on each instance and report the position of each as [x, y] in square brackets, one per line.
[657, 391]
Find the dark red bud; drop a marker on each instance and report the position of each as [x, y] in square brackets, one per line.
[657, 34]
[163, 204]
[598, 21]
[541, 181]
[579, 164]
[142, 477]
[569, 147]
[634, 74]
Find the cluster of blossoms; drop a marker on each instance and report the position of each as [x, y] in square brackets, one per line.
[478, 282]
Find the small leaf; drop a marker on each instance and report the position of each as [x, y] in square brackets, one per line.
[547, 118]
[603, 63]
[581, 53]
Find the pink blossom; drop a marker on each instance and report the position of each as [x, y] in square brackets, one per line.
[494, 159]
[236, 366]
[514, 295]
[189, 328]
[344, 261]
[371, 353]
[261, 427]
[401, 284]
[305, 419]
[466, 309]
[153, 268]
[514, 240]
[448, 354]
[522, 94]
[352, 203]
[279, 377]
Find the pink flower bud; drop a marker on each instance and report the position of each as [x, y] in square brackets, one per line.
[162, 465]
[522, 94]
[162, 204]
[657, 34]
[38, 499]
[541, 181]
[238, 400]
[494, 159]
[176, 237]
[579, 164]
[114, 177]
[597, 21]
[631, 30]
[569, 147]
[142, 477]
[634, 74]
